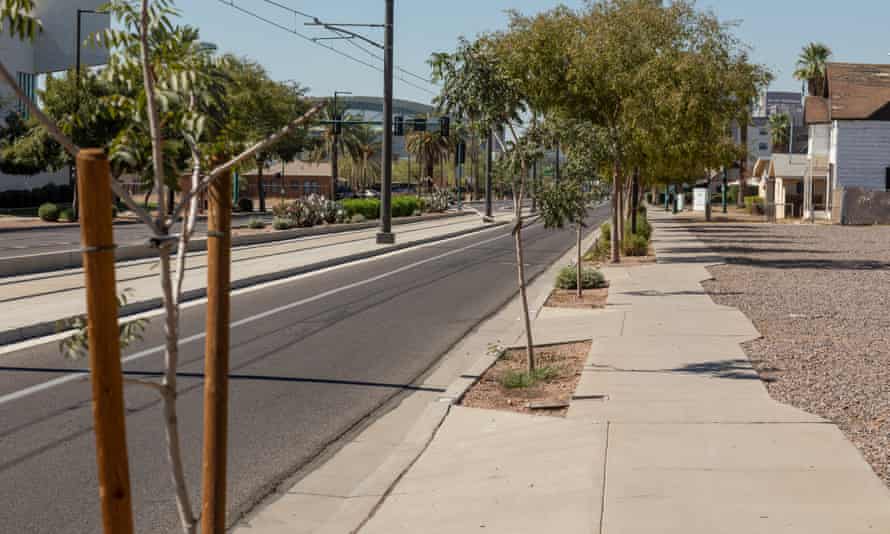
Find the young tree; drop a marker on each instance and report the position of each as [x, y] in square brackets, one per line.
[172, 89]
[476, 83]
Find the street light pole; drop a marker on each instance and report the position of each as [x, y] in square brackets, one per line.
[385, 236]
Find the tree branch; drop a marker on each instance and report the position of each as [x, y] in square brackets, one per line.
[265, 143]
[154, 121]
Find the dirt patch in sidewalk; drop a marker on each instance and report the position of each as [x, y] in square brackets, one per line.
[568, 298]
[504, 386]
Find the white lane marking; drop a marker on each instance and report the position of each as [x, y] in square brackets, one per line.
[44, 386]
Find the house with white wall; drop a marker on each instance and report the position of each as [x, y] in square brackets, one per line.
[53, 50]
[849, 141]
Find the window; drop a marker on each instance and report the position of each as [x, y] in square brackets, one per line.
[310, 187]
[26, 82]
[763, 147]
[764, 131]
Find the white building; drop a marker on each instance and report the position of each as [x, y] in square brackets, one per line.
[849, 145]
[53, 50]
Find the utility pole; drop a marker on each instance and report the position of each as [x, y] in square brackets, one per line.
[385, 236]
[97, 237]
[216, 357]
[489, 170]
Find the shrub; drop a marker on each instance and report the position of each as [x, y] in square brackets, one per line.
[48, 212]
[357, 218]
[404, 206]
[245, 204]
[255, 223]
[67, 214]
[753, 204]
[437, 202]
[114, 211]
[635, 245]
[281, 223]
[590, 278]
[369, 208]
[643, 227]
[523, 379]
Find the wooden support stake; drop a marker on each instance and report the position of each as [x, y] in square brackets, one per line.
[94, 183]
[216, 356]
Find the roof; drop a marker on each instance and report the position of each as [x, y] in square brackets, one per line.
[295, 168]
[788, 165]
[816, 110]
[858, 91]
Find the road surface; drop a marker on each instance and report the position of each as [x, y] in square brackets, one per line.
[301, 376]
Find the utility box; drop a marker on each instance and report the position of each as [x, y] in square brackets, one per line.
[700, 199]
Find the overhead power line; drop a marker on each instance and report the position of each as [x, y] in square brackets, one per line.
[232, 4]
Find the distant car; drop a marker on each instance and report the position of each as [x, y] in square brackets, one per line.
[370, 193]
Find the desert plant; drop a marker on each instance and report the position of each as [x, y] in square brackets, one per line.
[282, 223]
[753, 204]
[590, 278]
[635, 245]
[357, 218]
[436, 202]
[524, 379]
[49, 212]
[255, 223]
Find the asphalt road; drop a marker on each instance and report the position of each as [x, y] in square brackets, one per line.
[49, 239]
[300, 378]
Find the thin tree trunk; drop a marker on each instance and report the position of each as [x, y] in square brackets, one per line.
[616, 215]
[743, 166]
[578, 265]
[171, 423]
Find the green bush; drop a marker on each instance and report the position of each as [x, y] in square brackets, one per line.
[49, 212]
[643, 227]
[404, 206]
[590, 278]
[753, 204]
[67, 214]
[255, 223]
[280, 223]
[635, 245]
[524, 379]
[369, 208]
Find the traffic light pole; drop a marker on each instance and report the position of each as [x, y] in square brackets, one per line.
[385, 236]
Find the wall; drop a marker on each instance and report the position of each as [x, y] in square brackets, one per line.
[820, 140]
[864, 207]
[862, 153]
[55, 49]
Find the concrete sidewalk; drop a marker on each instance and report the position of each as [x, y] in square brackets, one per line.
[677, 433]
[40, 300]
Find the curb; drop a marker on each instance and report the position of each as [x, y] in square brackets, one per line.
[73, 259]
[17, 335]
[364, 501]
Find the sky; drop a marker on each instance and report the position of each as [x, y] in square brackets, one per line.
[775, 30]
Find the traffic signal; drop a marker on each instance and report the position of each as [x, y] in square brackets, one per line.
[398, 126]
[445, 126]
[338, 127]
[419, 124]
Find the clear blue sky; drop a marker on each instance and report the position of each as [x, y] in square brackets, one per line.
[775, 29]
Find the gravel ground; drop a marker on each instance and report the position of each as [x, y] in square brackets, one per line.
[820, 295]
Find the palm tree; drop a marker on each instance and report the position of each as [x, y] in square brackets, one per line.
[780, 126]
[811, 68]
[426, 147]
[363, 147]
